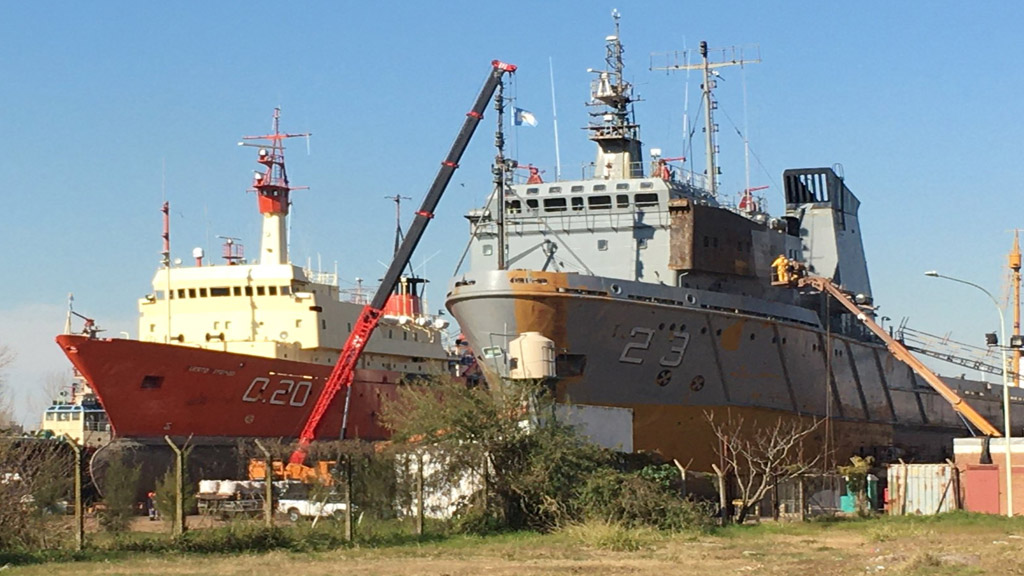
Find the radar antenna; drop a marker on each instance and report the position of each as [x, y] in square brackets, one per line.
[680, 60]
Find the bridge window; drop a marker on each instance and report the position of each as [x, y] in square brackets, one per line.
[646, 185]
[488, 249]
[286, 290]
[599, 187]
[202, 292]
[577, 204]
[272, 290]
[555, 190]
[622, 200]
[248, 290]
[236, 290]
[220, 291]
[576, 188]
[554, 204]
[602, 245]
[261, 291]
[622, 186]
[532, 204]
[599, 202]
[191, 292]
[644, 200]
[533, 190]
[513, 206]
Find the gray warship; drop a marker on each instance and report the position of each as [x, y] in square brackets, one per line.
[657, 296]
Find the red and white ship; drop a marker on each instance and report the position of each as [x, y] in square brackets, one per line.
[243, 349]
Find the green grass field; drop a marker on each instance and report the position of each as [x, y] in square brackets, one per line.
[958, 543]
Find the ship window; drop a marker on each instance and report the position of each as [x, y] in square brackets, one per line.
[532, 203]
[622, 186]
[260, 291]
[391, 333]
[577, 204]
[488, 249]
[576, 189]
[202, 292]
[49, 416]
[599, 187]
[416, 337]
[216, 325]
[172, 294]
[650, 199]
[76, 415]
[707, 242]
[533, 190]
[227, 324]
[323, 324]
[602, 244]
[646, 185]
[220, 291]
[622, 200]
[151, 382]
[248, 290]
[159, 294]
[599, 202]
[405, 335]
[181, 292]
[555, 190]
[513, 207]
[272, 290]
[191, 292]
[554, 204]
[236, 290]
[286, 290]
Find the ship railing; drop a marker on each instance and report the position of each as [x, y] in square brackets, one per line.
[593, 172]
[320, 277]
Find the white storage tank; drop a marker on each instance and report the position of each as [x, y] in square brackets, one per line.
[531, 356]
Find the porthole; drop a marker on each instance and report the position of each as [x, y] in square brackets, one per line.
[691, 299]
[616, 289]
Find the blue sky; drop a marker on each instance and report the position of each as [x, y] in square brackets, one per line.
[108, 107]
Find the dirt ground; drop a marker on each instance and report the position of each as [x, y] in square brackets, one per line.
[900, 548]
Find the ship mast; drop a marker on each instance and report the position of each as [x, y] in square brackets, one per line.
[729, 57]
[617, 135]
[272, 190]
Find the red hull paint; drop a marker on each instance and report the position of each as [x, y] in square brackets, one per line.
[151, 390]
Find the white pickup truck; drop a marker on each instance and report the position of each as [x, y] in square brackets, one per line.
[296, 502]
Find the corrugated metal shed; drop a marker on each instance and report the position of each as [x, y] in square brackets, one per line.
[923, 488]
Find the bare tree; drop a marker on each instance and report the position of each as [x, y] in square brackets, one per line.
[6, 402]
[762, 457]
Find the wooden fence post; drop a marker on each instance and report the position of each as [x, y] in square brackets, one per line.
[79, 516]
[268, 485]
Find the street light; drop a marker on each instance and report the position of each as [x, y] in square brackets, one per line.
[1006, 386]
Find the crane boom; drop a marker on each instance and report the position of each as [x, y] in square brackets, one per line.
[794, 274]
[344, 370]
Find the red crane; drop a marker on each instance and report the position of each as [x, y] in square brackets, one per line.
[341, 376]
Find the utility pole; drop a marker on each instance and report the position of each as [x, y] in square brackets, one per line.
[1015, 261]
[732, 56]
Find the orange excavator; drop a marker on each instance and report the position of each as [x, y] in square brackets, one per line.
[344, 370]
[787, 272]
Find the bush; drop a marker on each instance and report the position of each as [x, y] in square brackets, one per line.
[119, 500]
[633, 500]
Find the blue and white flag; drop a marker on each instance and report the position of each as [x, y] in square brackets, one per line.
[523, 117]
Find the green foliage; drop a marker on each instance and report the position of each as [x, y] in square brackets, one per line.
[613, 536]
[856, 474]
[34, 480]
[632, 499]
[535, 473]
[165, 494]
[120, 486]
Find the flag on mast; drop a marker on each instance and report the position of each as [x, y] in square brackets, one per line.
[523, 117]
